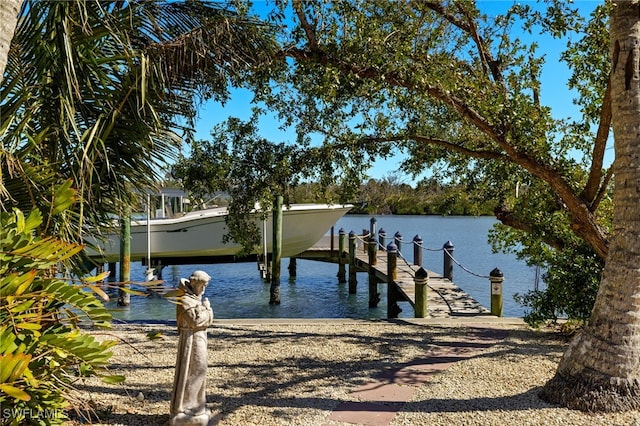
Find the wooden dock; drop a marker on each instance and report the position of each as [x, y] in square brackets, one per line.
[444, 298]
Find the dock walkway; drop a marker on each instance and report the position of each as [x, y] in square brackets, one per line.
[444, 298]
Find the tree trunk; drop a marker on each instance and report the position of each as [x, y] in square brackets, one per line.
[601, 369]
[9, 10]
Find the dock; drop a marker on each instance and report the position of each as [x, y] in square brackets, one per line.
[443, 297]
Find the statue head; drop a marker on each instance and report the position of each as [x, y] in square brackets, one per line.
[196, 283]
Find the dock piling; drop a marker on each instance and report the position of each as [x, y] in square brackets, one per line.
[124, 297]
[342, 242]
[496, 278]
[372, 243]
[274, 297]
[448, 260]
[353, 282]
[392, 275]
[421, 279]
[397, 239]
[417, 250]
[382, 236]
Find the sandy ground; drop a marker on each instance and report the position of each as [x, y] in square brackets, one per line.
[297, 372]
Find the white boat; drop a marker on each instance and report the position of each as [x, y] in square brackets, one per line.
[196, 237]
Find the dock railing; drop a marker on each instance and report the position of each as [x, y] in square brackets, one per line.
[372, 242]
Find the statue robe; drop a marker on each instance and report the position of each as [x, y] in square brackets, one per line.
[189, 383]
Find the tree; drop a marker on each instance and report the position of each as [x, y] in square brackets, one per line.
[103, 93]
[452, 86]
[251, 169]
[601, 369]
[448, 85]
[8, 20]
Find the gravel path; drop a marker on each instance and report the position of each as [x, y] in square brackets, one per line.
[297, 373]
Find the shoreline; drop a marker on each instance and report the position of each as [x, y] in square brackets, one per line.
[301, 372]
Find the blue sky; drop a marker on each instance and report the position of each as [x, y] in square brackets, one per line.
[554, 94]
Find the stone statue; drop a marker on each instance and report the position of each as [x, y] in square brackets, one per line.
[188, 402]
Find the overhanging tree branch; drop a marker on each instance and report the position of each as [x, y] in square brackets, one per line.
[594, 186]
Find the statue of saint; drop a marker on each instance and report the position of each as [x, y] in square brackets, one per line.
[188, 402]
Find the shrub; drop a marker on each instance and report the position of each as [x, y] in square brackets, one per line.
[43, 350]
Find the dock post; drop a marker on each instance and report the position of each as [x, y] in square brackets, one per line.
[274, 297]
[112, 271]
[373, 243]
[382, 236]
[417, 250]
[392, 275]
[374, 296]
[365, 238]
[397, 239]
[353, 282]
[448, 260]
[293, 268]
[124, 297]
[421, 279]
[342, 242]
[496, 278]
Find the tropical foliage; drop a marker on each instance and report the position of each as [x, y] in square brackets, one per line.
[459, 91]
[42, 348]
[103, 93]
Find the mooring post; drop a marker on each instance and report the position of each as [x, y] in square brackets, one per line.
[496, 278]
[274, 297]
[417, 250]
[421, 279]
[353, 282]
[392, 275]
[293, 268]
[342, 242]
[448, 260]
[373, 244]
[382, 236]
[374, 296]
[397, 239]
[124, 297]
[112, 271]
[331, 241]
[365, 238]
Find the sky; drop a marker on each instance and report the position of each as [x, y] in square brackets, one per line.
[553, 82]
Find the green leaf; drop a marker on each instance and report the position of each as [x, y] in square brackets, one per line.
[63, 198]
[15, 392]
[113, 379]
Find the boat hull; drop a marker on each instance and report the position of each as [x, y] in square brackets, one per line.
[200, 234]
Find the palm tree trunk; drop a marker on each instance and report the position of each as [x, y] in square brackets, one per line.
[8, 19]
[601, 369]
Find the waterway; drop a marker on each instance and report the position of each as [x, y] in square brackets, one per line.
[237, 290]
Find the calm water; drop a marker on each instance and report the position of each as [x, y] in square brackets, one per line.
[237, 290]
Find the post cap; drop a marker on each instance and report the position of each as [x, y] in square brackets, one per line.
[421, 274]
[496, 273]
[448, 245]
[382, 231]
[392, 248]
[341, 231]
[373, 220]
[352, 234]
[417, 238]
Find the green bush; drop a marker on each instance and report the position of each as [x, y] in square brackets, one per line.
[42, 348]
[572, 281]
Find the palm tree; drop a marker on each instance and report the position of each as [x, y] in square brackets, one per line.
[8, 20]
[103, 93]
[601, 369]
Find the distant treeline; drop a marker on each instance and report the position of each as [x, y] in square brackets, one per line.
[391, 196]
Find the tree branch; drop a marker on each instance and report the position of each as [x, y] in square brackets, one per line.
[507, 217]
[593, 186]
[304, 22]
[487, 155]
